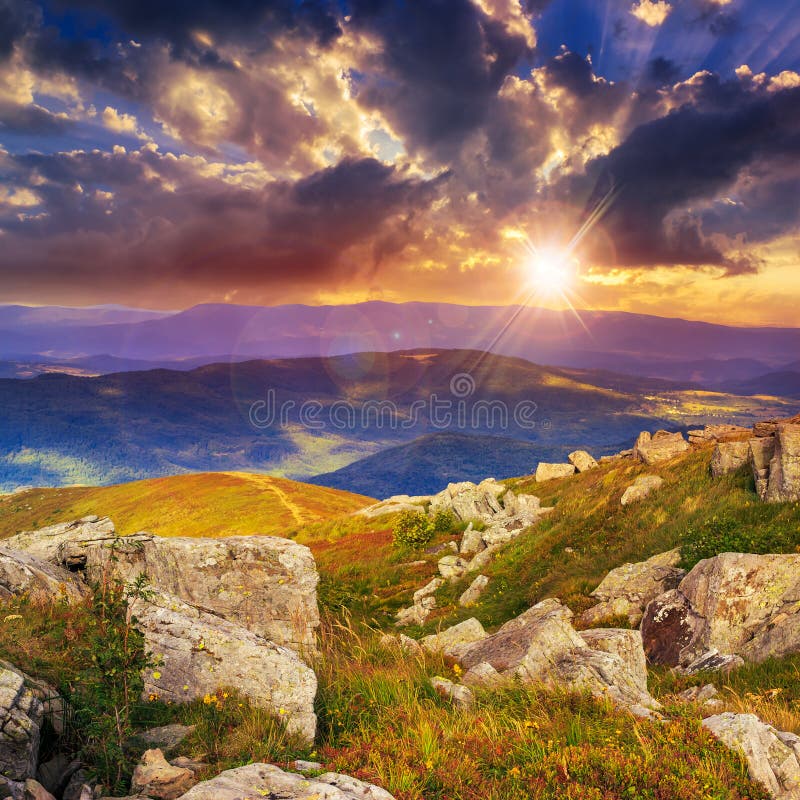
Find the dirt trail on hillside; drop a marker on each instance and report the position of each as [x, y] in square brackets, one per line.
[267, 482]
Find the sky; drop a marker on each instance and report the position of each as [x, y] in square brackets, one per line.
[609, 154]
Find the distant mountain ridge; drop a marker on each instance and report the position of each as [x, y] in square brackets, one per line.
[673, 349]
[303, 417]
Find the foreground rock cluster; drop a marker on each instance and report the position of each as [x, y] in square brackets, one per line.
[236, 611]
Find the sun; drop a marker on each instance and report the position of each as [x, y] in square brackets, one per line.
[552, 272]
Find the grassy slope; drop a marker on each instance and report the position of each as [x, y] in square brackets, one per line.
[379, 718]
[204, 504]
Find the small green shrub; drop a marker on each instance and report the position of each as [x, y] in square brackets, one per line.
[727, 535]
[413, 529]
[444, 521]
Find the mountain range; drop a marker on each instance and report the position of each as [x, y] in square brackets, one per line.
[311, 416]
[107, 339]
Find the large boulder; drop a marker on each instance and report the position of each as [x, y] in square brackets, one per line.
[469, 501]
[784, 468]
[772, 756]
[23, 573]
[641, 488]
[199, 653]
[266, 780]
[265, 583]
[21, 714]
[729, 457]
[626, 590]
[581, 460]
[733, 604]
[717, 433]
[549, 472]
[542, 646]
[661, 446]
[44, 542]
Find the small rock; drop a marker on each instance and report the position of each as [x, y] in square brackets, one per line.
[548, 472]
[35, 791]
[452, 567]
[156, 777]
[698, 694]
[460, 695]
[193, 764]
[713, 661]
[307, 766]
[582, 461]
[472, 594]
[452, 641]
[483, 675]
[640, 488]
[472, 542]
[55, 773]
[429, 589]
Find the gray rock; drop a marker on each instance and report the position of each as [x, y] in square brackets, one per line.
[712, 661]
[55, 773]
[157, 778]
[771, 755]
[734, 604]
[474, 591]
[264, 583]
[761, 452]
[452, 567]
[469, 501]
[698, 694]
[33, 790]
[581, 460]
[483, 676]
[45, 542]
[662, 446]
[541, 646]
[266, 780]
[784, 468]
[627, 590]
[201, 653]
[471, 542]
[307, 766]
[22, 573]
[453, 641]
[461, 696]
[641, 488]
[548, 472]
[428, 590]
[21, 717]
[729, 457]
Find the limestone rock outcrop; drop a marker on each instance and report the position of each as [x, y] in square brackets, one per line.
[735, 604]
[661, 446]
[200, 653]
[454, 641]
[23, 573]
[473, 592]
[21, 714]
[729, 457]
[626, 590]
[772, 756]
[266, 780]
[265, 583]
[542, 646]
[774, 455]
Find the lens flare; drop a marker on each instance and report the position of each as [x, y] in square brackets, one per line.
[552, 272]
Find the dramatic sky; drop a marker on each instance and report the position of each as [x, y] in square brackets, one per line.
[163, 153]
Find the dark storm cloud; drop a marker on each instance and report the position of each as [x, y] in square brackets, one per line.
[256, 22]
[688, 156]
[31, 119]
[163, 214]
[442, 62]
